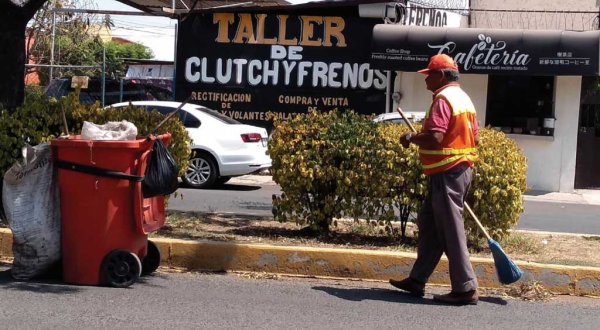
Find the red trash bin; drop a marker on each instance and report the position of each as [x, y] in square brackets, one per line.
[105, 218]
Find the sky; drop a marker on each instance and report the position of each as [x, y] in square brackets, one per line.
[156, 33]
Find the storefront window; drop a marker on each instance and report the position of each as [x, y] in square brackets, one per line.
[521, 104]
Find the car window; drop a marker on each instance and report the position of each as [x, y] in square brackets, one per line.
[189, 120]
[186, 118]
[394, 121]
[217, 115]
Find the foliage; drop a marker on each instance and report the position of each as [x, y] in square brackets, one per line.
[77, 42]
[404, 178]
[40, 120]
[115, 53]
[320, 162]
[33, 92]
[332, 164]
[499, 181]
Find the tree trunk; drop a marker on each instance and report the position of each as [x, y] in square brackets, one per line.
[13, 21]
[12, 57]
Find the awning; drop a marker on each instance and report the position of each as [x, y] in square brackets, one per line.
[488, 51]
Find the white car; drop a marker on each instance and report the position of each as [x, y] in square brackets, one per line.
[221, 146]
[395, 118]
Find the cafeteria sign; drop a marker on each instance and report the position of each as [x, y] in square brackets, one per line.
[486, 51]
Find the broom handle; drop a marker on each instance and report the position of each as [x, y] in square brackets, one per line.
[155, 131]
[477, 221]
[412, 128]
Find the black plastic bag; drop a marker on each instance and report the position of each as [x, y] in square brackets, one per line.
[161, 173]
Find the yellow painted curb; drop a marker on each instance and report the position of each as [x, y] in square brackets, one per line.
[363, 264]
[348, 263]
[5, 242]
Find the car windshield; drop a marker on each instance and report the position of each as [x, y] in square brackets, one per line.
[218, 115]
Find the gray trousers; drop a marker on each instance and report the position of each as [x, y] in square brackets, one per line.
[441, 229]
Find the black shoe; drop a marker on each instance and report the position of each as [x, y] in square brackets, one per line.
[458, 298]
[409, 285]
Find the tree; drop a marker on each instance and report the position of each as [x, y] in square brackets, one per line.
[77, 42]
[116, 52]
[79, 47]
[14, 16]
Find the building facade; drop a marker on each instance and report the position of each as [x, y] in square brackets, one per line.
[522, 104]
[529, 70]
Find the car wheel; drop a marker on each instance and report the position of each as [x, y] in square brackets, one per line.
[222, 180]
[201, 172]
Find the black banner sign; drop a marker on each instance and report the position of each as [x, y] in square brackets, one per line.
[514, 52]
[246, 64]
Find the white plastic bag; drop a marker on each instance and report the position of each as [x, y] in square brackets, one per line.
[113, 130]
[31, 202]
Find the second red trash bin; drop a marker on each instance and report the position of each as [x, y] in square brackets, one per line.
[105, 218]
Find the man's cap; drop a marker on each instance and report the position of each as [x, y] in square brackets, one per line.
[440, 62]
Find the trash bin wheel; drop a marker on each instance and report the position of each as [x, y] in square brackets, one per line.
[120, 269]
[152, 259]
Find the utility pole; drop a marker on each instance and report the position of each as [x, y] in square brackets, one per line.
[598, 17]
[53, 36]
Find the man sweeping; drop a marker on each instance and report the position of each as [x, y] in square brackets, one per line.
[447, 149]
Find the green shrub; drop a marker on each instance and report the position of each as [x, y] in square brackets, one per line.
[405, 180]
[332, 164]
[323, 162]
[40, 120]
[499, 181]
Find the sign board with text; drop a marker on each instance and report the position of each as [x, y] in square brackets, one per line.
[255, 63]
[486, 51]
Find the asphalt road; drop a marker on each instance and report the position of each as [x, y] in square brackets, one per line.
[255, 199]
[220, 301]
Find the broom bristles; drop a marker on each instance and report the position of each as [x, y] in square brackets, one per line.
[508, 271]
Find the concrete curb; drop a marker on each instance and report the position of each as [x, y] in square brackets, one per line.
[346, 263]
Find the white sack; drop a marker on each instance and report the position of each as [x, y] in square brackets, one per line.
[113, 130]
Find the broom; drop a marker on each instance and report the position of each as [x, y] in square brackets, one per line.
[508, 271]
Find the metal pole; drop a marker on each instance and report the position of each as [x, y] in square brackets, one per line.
[103, 73]
[52, 46]
[388, 75]
[121, 90]
[173, 83]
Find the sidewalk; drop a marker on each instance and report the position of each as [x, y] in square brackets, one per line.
[579, 196]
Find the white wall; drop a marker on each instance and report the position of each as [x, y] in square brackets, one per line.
[551, 161]
[416, 97]
[150, 71]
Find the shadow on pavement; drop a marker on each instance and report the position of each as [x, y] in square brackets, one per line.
[45, 284]
[360, 294]
[391, 295]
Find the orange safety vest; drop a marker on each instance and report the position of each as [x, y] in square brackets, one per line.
[458, 145]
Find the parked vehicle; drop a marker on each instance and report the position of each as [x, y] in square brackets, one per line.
[395, 118]
[222, 147]
[132, 89]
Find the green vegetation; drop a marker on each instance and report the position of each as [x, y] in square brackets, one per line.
[39, 120]
[331, 165]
